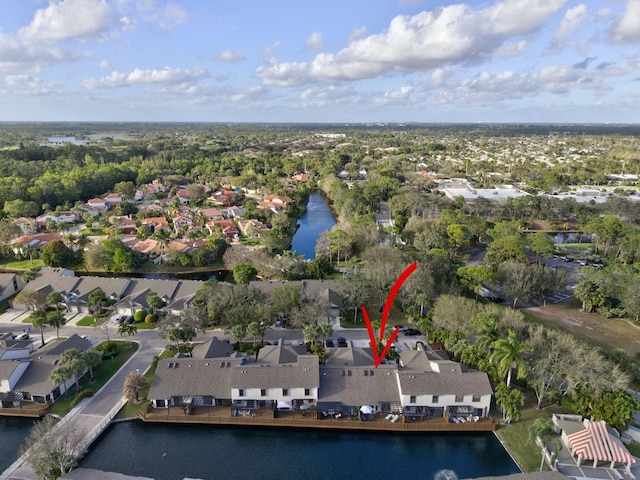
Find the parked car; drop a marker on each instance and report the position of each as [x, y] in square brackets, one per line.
[121, 319]
[287, 343]
[412, 332]
[130, 320]
[342, 342]
[329, 342]
[568, 259]
[301, 342]
[403, 328]
[22, 336]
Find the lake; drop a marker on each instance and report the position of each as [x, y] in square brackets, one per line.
[170, 452]
[316, 218]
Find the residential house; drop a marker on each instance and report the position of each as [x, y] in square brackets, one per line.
[10, 284]
[59, 217]
[183, 197]
[233, 212]
[28, 378]
[252, 228]
[210, 214]
[123, 223]
[281, 376]
[149, 248]
[155, 187]
[155, 223]
[417, 387]
[227, 226]
[182, 221]
[37, 241]
[300, 177]
[113, 200]
[27, 225]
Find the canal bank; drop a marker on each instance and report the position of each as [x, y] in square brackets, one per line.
[317, 218]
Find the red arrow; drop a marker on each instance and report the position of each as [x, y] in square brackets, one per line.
[385, 314]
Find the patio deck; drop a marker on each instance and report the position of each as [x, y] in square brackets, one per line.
[27, 409]
[223, 416]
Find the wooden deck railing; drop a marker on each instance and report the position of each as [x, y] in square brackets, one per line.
[290, 419]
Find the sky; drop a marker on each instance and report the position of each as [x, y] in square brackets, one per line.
[344, 61]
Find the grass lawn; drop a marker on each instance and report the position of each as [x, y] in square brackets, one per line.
[609, 333]
[102, 375]
[130, 410]
[396, 317]
[91, 321]
[22, 264]
[515, 436]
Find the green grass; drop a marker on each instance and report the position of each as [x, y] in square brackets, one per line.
[91, 321]
[131, 410]
[144, 326]
[396, 317]
[22, 264]
[103, 373]
[576, 246]
[515, 436]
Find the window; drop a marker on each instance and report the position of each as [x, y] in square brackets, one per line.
[263, 392]
[285, 392]
[307, 391]
[459, 398]
[241, 393]
[476, 398]
[434, 399]
[412, 399]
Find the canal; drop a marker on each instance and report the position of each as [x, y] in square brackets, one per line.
[170, 452]
[316, 218]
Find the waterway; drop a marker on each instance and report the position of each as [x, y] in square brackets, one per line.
[316, 218]
[13, 432]
[170, 452]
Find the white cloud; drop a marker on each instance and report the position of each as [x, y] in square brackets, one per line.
[452, 34]
[570, 22]
[512, 49]
[357, 34]
[65, 19]
[171, 16]
[230, 56]
[20, 55]
[166, 76]
[269, 49]
[488, 87]
[627, 28]
[25, 85]
[315, 42]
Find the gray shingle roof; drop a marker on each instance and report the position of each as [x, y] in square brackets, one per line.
[193, 376]
[350, 385]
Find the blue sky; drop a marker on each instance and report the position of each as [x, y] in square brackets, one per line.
[320, 61]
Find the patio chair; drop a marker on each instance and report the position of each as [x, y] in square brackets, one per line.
[395, 418]
[389, 417]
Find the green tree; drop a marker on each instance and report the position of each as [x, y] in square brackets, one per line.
[254, 329]
[56, 320]
[72, 361]
[97, 298]
[540, 244]
[154, 301]
[508, 400]
[310, 333]
[127, 329]
[238, 332]
[590, 294]
[508, 354]
[244, 273]
[56, 254]
[54, 299]
[92, 359]
[326, 330]
[39, 320]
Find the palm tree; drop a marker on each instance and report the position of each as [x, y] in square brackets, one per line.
[73, 361]
[255, 330]
[56, 320]
[422, 299]
[128, 329]
[507, 354]
[39, 320]
[310, 333]
[92, 358]
[488, 331]
[326, 330]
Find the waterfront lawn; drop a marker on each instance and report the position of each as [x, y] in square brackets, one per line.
[130, 409]
[103, 374]
[22, 264]
[515, 437]
[396, 316]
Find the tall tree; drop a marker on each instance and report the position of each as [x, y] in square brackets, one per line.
[135, 384]
[508, 354]
[92, 359]
[39, 320]
[56, 320]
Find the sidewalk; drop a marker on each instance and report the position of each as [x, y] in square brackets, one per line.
[93, 414]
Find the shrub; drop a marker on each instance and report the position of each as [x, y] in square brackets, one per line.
[139, 316]
[87, 392]
[109, 349]
[151, 318]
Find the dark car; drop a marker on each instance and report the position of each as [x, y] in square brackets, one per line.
[342, 342]
[329, 342]
[121, 319]
[412, 332]
[495, 299]
[568, 259]
[130, 320]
